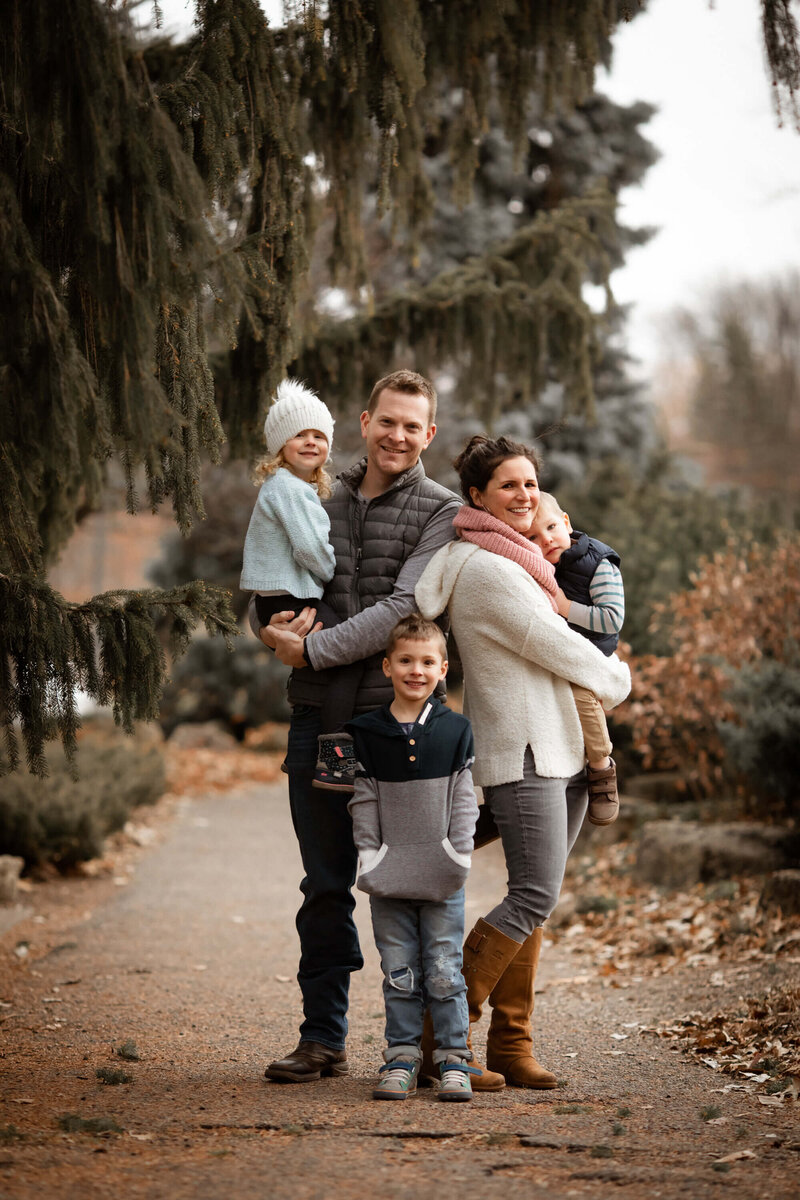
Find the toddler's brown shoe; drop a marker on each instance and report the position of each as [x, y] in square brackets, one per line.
[603, 797]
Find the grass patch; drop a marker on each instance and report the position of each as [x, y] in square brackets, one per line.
[563, 1109]
[113, 1075]
[73, 1123]
[500, 1139]
[127, 1050]
[710, 1112]
[601, 1152]
[596, 904]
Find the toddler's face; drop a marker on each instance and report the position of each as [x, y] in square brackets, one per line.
[550, 531]
[305, 452]
[415, 667]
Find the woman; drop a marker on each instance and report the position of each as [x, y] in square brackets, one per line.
[519, 658]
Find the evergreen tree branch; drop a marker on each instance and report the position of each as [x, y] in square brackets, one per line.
[107, 647]
[782, 48]
[514, 314]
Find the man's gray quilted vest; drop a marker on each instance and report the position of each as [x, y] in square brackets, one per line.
[371, 542]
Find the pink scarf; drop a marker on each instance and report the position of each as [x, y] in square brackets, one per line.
[478, 526]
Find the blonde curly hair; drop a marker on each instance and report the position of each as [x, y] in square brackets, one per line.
[320, 479]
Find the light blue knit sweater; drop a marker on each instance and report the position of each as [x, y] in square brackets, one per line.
[286, 548]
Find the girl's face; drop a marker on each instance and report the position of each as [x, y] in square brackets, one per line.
[511, 495]
[305, 452]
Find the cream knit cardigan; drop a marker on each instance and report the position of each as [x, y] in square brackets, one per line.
[519, 658]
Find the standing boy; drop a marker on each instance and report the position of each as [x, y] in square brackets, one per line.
[593, 601]
[414, 813]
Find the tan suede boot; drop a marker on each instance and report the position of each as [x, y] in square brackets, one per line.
[509, 1047]
[487, 953]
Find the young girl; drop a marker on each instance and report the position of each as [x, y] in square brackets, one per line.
[287, 556]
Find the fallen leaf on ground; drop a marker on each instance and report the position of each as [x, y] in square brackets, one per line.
[737, 1155]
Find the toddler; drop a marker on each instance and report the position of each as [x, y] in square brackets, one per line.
[414, 812]
[592, 599]
[288, 558]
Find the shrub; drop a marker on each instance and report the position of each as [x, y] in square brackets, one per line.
[763, 739]
[240, 687]
[741, 611]
[64, 821]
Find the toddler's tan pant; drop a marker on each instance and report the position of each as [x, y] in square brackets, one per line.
[593, 723]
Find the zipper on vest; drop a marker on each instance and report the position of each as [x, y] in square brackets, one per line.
[358, 538]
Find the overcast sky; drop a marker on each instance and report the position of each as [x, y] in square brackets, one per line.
[726, 192]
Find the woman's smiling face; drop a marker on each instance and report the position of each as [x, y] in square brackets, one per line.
[511, 495]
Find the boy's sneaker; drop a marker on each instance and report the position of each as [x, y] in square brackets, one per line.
[603, 798]
[456, 1082]
[399, 1080]
[336, 765]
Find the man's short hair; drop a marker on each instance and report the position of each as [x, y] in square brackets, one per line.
[409, 382]
[416, 628]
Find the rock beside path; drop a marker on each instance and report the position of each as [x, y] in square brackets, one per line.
[680, 854]
[782, 890]
[10, 869]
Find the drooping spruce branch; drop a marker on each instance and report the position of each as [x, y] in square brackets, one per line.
[516, 313]
[108, 648]
[782, 50]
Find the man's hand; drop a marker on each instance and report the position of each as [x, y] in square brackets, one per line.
[562, 603]
[285, 633]
[289, 648]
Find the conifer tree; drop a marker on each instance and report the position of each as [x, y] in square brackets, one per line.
[156, 203]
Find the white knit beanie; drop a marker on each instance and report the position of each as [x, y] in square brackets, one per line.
[295, 408]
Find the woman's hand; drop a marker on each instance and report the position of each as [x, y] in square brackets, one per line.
[562, 603]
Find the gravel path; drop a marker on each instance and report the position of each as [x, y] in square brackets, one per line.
[190, 953]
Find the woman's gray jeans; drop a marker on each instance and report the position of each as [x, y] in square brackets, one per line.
[538, 821]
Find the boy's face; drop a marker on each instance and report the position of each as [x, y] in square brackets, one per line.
[415, 667]
[550, 531]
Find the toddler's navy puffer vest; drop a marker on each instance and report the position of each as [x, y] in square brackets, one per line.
[574, 574]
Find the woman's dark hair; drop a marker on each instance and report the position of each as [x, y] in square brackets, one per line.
[480, 458]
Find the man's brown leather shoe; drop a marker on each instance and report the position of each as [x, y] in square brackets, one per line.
[307, 1063]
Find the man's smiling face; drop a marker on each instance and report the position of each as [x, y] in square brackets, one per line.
[396, 433]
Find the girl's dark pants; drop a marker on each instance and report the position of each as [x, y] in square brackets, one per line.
[343, 682]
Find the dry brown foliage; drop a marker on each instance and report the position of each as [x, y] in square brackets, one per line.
[758, 1041]
[743, 606]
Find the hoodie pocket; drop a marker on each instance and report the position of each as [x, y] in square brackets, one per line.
[371, 858]
[461, 860]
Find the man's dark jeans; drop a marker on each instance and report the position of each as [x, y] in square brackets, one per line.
[329, 948]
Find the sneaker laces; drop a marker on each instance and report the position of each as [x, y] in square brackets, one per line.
[455, 1077]
[395, 1072]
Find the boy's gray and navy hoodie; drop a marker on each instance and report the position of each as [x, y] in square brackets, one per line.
[414, 806]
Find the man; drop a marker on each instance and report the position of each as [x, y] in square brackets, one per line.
[387, 521]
